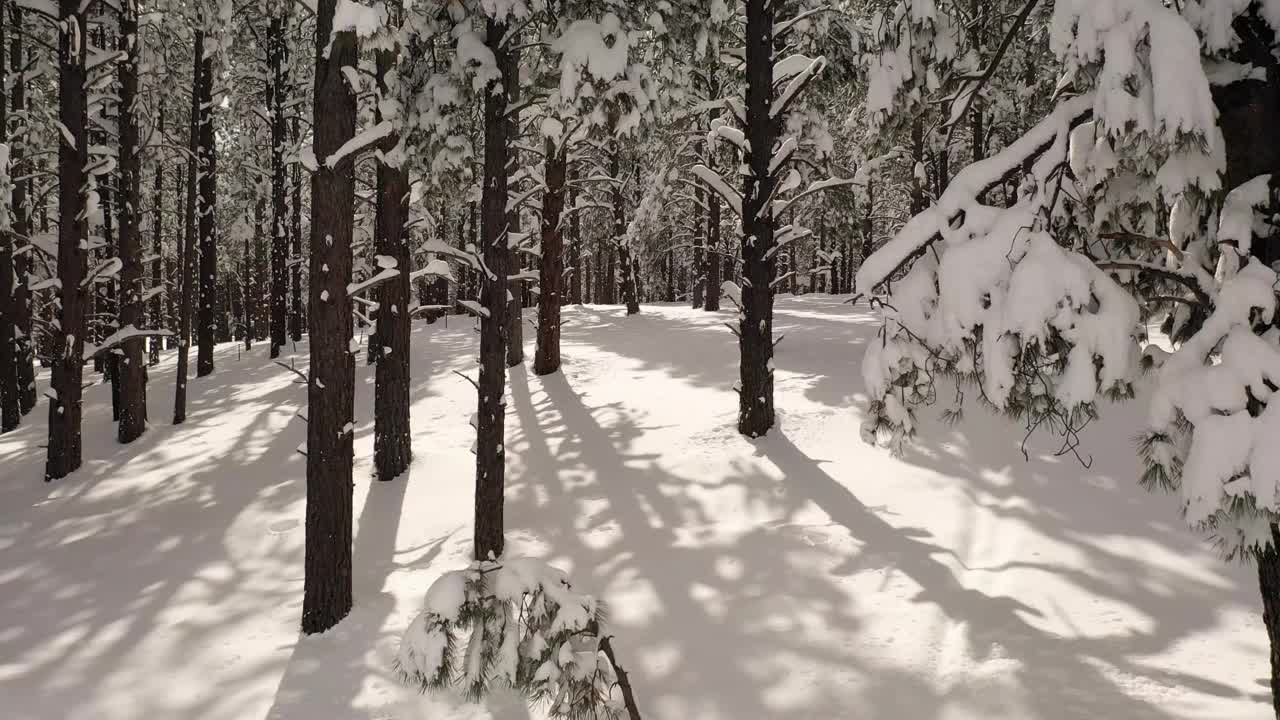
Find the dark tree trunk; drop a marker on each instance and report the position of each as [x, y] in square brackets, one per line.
[546, 359]
[575, 246]
[276, 49]
[392, 450]
[68, 345]
[295, 259]
[701, 249]
[755, 330]
[131, 372]
[156, 310]
[918, 203]
[10, 413]
[609, 280]
[327, 584]
[620, 240]
[490, 415]
[868, 228]
[246, 298]
[1269, 583]
[187, 261]
[207, 326]
[597, 288]
[515, 314]
[24, 347]
[711, 265]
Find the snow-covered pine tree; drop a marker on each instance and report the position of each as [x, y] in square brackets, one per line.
[1144, 194]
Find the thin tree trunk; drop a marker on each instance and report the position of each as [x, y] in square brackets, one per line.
[130, 370]
[156, 311]
[187, 260]
[490, 415]
[207, 326]
[24, 345]
[295, 254]
[575, 244]
[68, 345]
[276, 49]
[515, 306]
[700, 249]
[711, 264]
[546, 358]
[620, 240]
[755, 330]
[327, 584]
[10, 414]
[392, 449]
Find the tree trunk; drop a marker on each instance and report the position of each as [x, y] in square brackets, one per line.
[392, 449]
[24, 346]
[620, 240]
[515, 306]
[546, 359]
[755, 329]
[208, 322]
[156, 311]
[68, 345]
[187, 260]
[327, 584]
[575, 245]
[711, 265]
[1269, 583]
[490, 415]
[701, 248]
[276, 49]
[868, 228]
[295, 234]
[10, 414]
[131, 372]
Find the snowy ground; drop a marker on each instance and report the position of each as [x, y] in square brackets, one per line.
[802, 576]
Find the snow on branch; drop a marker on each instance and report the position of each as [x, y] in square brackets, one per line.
[120, 337]
[797, 84]
[366, 139]
[382, 276]
[947, 215]
[515, 623]
[717, 183]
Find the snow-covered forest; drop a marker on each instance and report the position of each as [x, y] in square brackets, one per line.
[675, 359]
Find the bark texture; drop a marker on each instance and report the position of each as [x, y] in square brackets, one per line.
[491, 411]
[326, 595]
[755, 329]
[64, 451]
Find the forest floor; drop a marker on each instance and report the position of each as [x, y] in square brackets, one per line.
[805, 575]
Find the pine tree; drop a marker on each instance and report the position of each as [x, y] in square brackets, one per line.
[326, 595]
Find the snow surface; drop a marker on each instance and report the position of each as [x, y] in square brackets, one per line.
[798, 576]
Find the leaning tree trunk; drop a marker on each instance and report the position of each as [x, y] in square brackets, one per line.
[73, 155]
[392, 450]
[276, 49]
[491, 388]
[10, 414]
[546, 359]
[327, 584]
[755, 330]
[131, 372]
[187, 253]
[207, 211]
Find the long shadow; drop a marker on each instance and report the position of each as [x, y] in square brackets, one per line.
[706, 622]
[326, 674]
[1055, 672]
